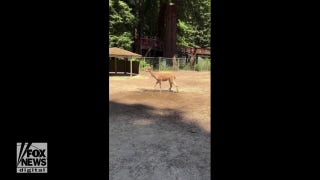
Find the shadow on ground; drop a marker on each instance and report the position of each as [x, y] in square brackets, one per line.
[148, 143]
[156, 90]
[121, 74]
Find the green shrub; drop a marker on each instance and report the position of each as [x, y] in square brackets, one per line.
[207, 64]
[203, 64]
[187, 67]
[143, 65]
[197, 67]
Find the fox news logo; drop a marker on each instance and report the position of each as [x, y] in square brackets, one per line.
[32, 158]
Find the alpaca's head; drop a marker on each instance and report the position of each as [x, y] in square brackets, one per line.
[148, 69]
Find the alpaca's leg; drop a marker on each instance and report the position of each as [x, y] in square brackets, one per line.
[176, 86]
[160, 85]
[155, 84]
[170, 85]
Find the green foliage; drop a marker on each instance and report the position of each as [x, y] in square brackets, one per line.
[207, 65]
[186, 34]
[193, 21]
[123, 41]
[197, 67]
[120, 16]
[164, 67]
[136, 59]
[144, 64]
[186, 67]
[121, 22]
[203, 64]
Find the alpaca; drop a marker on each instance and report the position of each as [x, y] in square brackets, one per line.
[163, 76]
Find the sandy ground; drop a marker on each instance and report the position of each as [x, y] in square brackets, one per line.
[159, 135]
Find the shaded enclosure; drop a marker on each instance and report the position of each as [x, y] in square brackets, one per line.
[116, 54]
[123, 66]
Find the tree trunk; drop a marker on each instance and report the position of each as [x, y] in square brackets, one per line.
[170, 32]
[161, 21]
[167, 28]
[140, 27]
[193, 57]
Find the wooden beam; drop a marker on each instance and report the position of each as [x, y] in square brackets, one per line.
[131, 67]
[125, 65]
[115, 65]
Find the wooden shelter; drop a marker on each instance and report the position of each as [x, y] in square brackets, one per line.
[121, 53]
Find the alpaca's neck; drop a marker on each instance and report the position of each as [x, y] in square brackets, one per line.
[153, 74]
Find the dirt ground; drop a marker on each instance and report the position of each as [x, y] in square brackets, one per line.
[159, 135]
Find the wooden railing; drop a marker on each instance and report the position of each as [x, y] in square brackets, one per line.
[147, 43]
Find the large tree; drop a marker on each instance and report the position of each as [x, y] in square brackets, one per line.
[184, 23]
[194, 22]
[167, 26]
[121, 21]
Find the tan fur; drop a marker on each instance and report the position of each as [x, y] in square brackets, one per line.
[163, 76]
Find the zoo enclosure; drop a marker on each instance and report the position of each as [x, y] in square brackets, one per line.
[175, 64]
